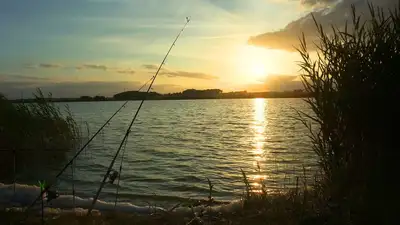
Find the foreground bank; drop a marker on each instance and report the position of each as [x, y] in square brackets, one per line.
[257, 207]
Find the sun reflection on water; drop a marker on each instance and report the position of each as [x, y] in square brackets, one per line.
[258, 150]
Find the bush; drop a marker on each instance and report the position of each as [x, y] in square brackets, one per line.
[37, 132]
[355, 87]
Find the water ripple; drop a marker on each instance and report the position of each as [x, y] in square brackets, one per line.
[175, 145]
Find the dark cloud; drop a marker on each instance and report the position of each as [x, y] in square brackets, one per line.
[337, 14]
[276, 82]
[54, 65]
[187, 74]
[13, 89]
[19, 77]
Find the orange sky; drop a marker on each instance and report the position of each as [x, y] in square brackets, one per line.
[90, 47]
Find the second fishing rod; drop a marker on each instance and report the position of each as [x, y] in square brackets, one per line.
[128, 130]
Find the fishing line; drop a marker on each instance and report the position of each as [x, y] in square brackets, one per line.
[133, 120]
[119, 174]
[80, 151]
[73, 183]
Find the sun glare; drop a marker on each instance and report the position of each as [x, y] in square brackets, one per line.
[253, 62]
[258, 70]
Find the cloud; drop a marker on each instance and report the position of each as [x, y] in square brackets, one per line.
[189, 75]
[13, 90]
[171, 73]
[13, 85]
[49, 65]
[308, 3]
[42, 65]
[126, 71]
[278, 77]
[334, 12]
[276, 82]
[19, 77]
[55, 65]
[317, 2]
[30, 66]
[153, 68]
[87, 66]
[150, 66]
[92, 66]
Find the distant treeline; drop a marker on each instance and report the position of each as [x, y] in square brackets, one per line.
[187, 94]
[209, 94]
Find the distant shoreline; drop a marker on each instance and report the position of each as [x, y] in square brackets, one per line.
[190, 94]
[118, 100]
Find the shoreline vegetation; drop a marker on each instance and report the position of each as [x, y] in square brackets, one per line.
[187, 94]
[32, 135]
[354, 82]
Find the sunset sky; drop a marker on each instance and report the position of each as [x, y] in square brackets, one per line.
[90, 47]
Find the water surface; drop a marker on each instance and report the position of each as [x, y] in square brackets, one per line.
[175, 145]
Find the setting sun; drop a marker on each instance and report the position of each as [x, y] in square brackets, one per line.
[253, 63]
[258, 70]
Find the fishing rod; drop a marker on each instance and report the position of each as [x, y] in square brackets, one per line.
[81, 150]
[119, 174]
[133, 120]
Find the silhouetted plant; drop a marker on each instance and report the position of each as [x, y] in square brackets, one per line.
[354, 82]
[36, 131]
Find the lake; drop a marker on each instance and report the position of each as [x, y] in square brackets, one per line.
[175, 145]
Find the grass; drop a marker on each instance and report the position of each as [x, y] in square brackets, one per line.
[37, 132]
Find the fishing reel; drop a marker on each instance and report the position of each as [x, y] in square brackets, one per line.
[112, 176]
[50, 195]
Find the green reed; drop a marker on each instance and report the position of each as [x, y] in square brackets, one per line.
[33, 130]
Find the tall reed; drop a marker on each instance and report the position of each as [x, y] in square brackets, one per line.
[38, 132]
[355, 84]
